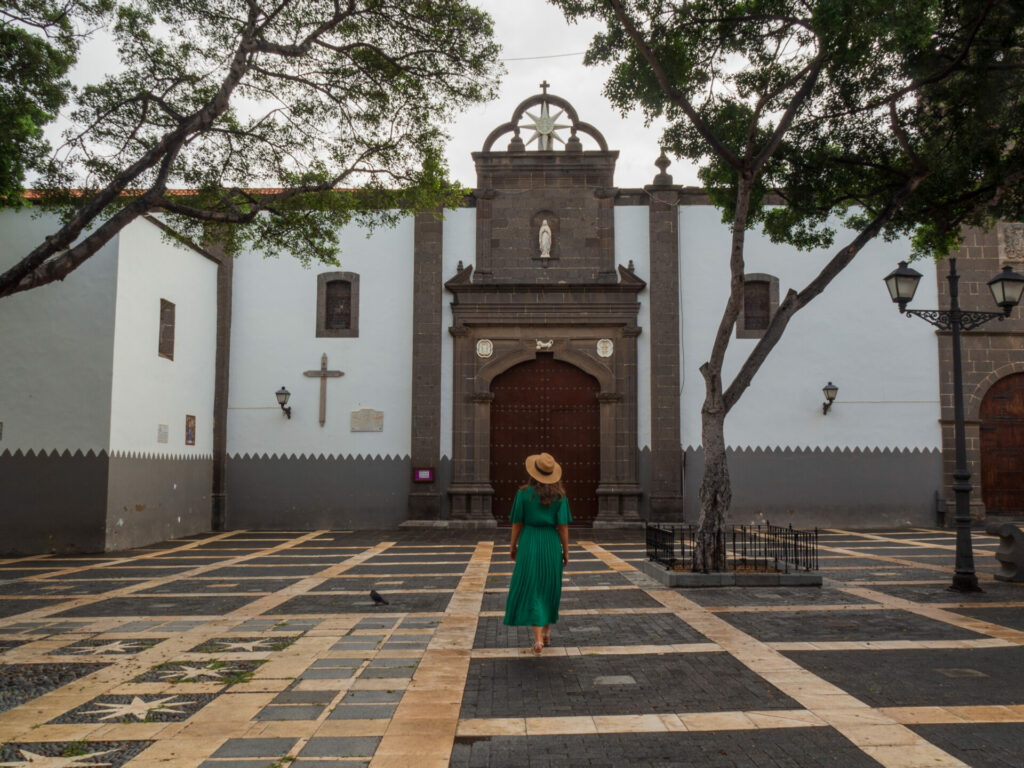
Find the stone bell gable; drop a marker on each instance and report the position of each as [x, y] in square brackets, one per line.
[540, 177]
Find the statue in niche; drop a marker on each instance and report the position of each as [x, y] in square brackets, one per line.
[545, 240]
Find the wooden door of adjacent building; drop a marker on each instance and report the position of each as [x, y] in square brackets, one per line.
[1002, 447]
[546, 405]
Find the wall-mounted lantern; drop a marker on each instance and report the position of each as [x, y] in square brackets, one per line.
[830, 390]
[282, 400]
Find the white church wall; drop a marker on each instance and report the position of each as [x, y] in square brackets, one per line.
[334, 475]
[149, 390]
[632, 243]
[886, 368]
[56, 344]
[56, 349]
[160, 490]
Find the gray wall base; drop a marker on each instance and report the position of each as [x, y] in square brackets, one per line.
[155, 499]
[301, 494]
[825, 488]
[725, 579]
[52, 502]
[67, 503]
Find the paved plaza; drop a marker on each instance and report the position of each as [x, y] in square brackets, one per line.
[252, 650]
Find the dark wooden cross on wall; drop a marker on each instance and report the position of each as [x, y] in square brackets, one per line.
[323, 374]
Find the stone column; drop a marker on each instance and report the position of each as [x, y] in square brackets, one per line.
[666, 502]
[215, 243]
[425, 498]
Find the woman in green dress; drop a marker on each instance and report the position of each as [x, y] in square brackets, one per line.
[540, 548]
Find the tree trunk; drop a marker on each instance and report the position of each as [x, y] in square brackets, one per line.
[715, 490]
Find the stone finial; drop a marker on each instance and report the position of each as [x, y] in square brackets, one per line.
[631, 267]
[516, 144]
[663, 179]
[574, 144]
[459, 267]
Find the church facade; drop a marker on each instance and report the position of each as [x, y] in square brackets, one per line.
[552, 311]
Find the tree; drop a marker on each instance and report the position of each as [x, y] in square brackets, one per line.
[260, 111]
[39, 41]
[900, 117]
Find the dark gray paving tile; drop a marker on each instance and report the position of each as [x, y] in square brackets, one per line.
[912, 678]
[995, 592]
[160, 606]
[786, 748]
[561, 686]
[363, 712]
[343, 746]
[592, 630]
[730, 596]
[980, 745]
[290, 712]
[12, 607]
[1006, 617]
[844, 625]
[398, 603]
[255, 747]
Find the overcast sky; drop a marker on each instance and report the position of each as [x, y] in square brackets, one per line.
[535, 38]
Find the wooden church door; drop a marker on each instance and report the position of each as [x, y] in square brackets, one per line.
[546, 405]
[1002, 447]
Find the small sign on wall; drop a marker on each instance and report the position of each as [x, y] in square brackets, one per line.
[367, 420]
[423, 475]
[190, 430]
[161, 433]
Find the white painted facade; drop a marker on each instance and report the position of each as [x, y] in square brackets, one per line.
[886, 368]
[56, 347]
[273, 341]
[632, 243]
[149, 390]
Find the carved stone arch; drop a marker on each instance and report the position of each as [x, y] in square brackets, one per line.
[972, 407]
[604, 375]
[494, 368]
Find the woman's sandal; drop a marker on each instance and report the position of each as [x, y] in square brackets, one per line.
[538, 647]
[547, 639]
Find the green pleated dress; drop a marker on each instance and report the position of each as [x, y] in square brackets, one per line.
[536, 588]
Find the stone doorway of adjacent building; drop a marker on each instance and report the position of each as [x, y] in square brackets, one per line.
[1002, 447]
[546, 405]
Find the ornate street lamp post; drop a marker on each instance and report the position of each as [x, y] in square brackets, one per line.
[1006, 288]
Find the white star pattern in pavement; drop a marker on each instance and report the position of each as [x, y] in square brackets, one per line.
[51, 761]
[188, 672]
[247, 645]
[114, 646]
[139, 708]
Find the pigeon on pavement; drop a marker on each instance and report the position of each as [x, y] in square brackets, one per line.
[377, 598]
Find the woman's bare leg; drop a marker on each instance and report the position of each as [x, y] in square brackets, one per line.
[538, 638]
[545, 634]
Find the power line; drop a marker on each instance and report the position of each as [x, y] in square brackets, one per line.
[551, 56]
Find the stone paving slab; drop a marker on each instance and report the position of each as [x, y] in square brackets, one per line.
[810, 625]
[923, 677]
[552, 686]
[253, 663]
[980, 745]
[804, 748]
[580, 631]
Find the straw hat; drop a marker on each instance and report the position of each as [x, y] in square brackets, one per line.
[543, 468]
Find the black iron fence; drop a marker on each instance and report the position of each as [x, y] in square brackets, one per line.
[763, 548]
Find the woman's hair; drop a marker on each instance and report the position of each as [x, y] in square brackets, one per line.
[546, 492]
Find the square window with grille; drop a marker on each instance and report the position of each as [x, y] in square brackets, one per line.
[166, 343]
